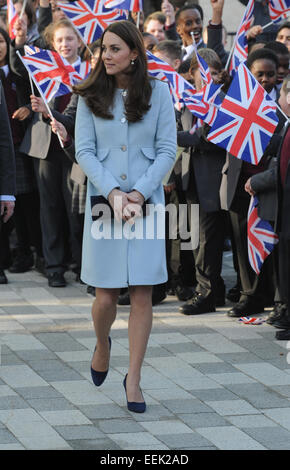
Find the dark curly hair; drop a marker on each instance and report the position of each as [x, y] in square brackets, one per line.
[99, 88]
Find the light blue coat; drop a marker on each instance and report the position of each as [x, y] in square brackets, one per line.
[115, 153]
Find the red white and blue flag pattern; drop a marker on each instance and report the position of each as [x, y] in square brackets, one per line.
[205, 103]
[240, 52]
[261, 237]
[51, 72]
[163, 71]
[202, 104]
[246, 119]
[279, 10]
[11, 18]
[90, 17]
[131, 5]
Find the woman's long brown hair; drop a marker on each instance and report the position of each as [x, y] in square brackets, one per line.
[99, 88]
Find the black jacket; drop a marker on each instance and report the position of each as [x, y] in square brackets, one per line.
[7, 158]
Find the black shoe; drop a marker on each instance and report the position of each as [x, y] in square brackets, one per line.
[3, 278]
[283, 322]
[277, 313]
[199, 304]
[22, 263]
[56, 280]
[91, 290]
[184, 293]
[124, 299]
[244, 308]
[284, 334]
[234, 294]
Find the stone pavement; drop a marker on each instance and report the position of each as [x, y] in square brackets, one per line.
[210, 382]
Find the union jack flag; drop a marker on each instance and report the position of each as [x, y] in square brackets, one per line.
[12, 16]
[261, 237]
[53, 75]
[246, 119]
[204, 104]
[203, 67]
[240, 52]
[131, 5]
[90, 18]
[163, 71]
[278, 10]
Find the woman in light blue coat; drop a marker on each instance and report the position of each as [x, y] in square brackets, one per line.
[125, 144]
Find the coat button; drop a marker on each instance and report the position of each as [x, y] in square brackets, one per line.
[124, 177]
[123, 120]
[123, 148]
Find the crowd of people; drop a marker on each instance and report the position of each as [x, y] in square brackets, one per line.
[46, 229]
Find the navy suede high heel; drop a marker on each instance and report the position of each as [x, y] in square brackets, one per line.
[99, 377]
[132, 405]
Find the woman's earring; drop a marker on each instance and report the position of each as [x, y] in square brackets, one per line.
[132, 62]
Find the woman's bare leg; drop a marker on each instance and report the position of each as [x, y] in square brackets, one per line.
[104, 311]
[140, 324]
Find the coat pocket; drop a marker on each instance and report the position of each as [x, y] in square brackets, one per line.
[149, 152]
[102, 154]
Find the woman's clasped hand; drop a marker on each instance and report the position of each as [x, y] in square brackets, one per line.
[126, 206]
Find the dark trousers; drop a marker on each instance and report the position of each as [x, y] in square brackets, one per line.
[283, 270]
[27, 222]
[209, 254]
[180, 263]
[61, 229]
[260, 287]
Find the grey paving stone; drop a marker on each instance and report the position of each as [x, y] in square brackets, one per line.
[10, 360]
[7, 437]
[33, 355]
[183, 347]
[157, 352]
[103, 411]
[215, 368]
[79, 432]
[230, 438]
[154, 412]
[49, 365]
[59, 342]
[50, 404]
[94, 444]
[184, 441]
[38, 392]
[259, 395]
[200, 420]
[112, 426]
[239, 358]
[186, 406]
[273, 438]
[214, 394]
[63, 373]
[262, 348]
[12, 403]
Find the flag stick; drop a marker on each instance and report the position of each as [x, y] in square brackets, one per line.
[266, 25]
[81, 38]
[23, 8]
[41, 94]
[138, 19]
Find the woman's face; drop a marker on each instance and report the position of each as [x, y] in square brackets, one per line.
[66, 43]
[3, 51]
[264, 70]
[116, 55]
